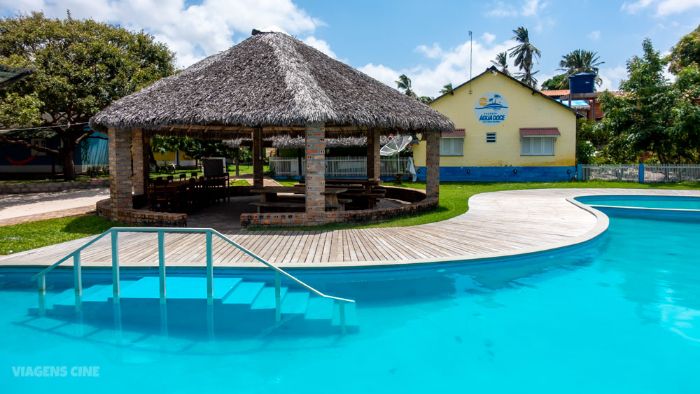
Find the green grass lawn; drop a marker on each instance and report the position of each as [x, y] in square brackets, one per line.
[25, 236]
[453, 202]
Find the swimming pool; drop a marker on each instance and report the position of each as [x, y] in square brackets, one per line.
[665, 202]
[619, 314]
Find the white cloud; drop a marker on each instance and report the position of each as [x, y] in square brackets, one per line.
[594, 35]
[532, 7]
[432, 52]
[382, 73]
[501, 10]
[611, 77]
[633, 7]
[488, 38]
[661, 7]
[544, 23]
[668, 7]
[321, 45]
[527, 8]
[453, 67]
[192, 31]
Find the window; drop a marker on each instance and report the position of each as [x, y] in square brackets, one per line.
[490, 137]
[451, 146]
[537, 146]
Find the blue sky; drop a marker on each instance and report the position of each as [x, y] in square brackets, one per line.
[428, 41]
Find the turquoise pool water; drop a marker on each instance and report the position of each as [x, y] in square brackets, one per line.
[643, 201]
[618, 315]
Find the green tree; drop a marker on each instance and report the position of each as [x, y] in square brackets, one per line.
[685, 114]
[587, 142]
[447, 89]
[192, 147]
[404, 84]
[638, 120]
[501, 62]
[581, 61]
[686, 52]
[425, 99]
[557, 82]
[79, 67]
[525, 54]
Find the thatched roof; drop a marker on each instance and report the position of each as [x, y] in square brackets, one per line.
[271, 79]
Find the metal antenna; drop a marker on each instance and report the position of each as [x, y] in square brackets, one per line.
[471, 49]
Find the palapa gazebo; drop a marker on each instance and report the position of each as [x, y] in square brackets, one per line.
[268, 84]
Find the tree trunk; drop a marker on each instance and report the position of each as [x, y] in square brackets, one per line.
[66, 154]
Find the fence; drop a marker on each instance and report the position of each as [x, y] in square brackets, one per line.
[338, 167]
[642, 173]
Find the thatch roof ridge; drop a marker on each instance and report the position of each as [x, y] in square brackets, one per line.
[271, 79]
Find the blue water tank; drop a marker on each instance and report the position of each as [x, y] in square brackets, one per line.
[582, 83]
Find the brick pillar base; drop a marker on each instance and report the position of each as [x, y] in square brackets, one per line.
[120, 170]
[257, 158]
[432, 162]
[315, 174]
[137, 160]
[373, 157]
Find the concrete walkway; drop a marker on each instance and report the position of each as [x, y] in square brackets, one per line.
[21, 208]
[497, 224]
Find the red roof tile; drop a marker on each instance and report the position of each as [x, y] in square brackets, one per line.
[554, 93]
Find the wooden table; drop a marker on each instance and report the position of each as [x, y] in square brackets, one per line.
[364, 193]
[270, 197]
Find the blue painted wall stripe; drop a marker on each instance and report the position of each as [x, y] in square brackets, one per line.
[503, 174]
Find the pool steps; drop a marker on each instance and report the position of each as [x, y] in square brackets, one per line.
[220, 292]
[234, 294]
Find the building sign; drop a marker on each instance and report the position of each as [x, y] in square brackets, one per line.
[491, 108]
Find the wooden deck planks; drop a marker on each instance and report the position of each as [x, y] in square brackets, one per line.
[501, 222]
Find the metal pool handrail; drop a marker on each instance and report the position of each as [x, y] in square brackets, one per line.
[161, 231]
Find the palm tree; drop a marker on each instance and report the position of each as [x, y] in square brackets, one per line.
[528, 78]
[581, 61]
[425, 99]
[501, 62]
[447, 89]
[525, 54]
[404, 83]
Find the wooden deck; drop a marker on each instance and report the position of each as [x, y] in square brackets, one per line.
[497, 224]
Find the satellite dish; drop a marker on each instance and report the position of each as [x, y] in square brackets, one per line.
[396, 144]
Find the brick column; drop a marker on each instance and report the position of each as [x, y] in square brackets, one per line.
[315, 173]
[119, 170]
[257, 158]
[137, 162]
[432, 162]
[373, 157]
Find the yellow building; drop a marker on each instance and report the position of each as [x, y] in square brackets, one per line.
[177, 158]
[505, 131]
